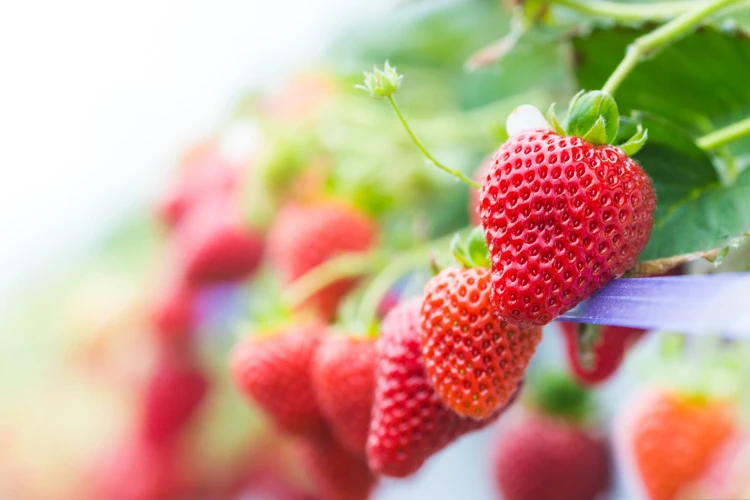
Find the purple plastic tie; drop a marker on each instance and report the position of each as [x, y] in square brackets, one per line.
[698, 304]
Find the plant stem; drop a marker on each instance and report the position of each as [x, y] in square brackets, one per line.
[723, 136]
[628, 12]
[341, 267]
[644, 46]
[455, 173]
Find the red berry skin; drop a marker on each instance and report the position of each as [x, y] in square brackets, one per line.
[335, 472]
[542, 457]
[608, 352]
[344, 381]
[274, 372]
[214, 247]
[562, 219]
[475, 360]
[409, 421]
[305, 236]
[173, 313]
[173, 395]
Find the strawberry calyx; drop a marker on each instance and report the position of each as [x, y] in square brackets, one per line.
[471, 250]
[587, 335]
[594, 117]
[555, 394]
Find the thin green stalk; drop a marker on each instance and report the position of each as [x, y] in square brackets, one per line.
[644, 46]
[724, 136]
[455, 173]
[338, 268]
[628, 12]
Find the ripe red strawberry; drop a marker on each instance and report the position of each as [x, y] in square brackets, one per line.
[274, 372]
[474, 360]
[173, 395]
[173, 313]
[409, 421]
[305, 236]
[562, 218]
[344, 381]
[204, 174]
[671, 439]
[135, 471]
[214, 246]
[545, 457]
[607, 354]
[336, 474]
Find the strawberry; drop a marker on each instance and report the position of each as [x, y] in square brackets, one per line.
[135, 471]
[173, 395]
[539, 456]
[562, 218]
[214, 246]
[608, 350]
[344, 381]
[274, 372]
[336, 473]
[409, 421]
[671, 439]
[173, 314]
[474, 359]
[305, 236]
[205, 174]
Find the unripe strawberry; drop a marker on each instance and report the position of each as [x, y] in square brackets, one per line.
[409, 421]
[344, 381]
[562, 218]
[546, 457]
[274, 372]
[474, 359]
[607, 352]
[305, 236]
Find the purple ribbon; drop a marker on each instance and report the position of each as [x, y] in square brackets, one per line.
[697, 304]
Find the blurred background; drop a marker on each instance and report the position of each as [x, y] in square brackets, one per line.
[149, 151]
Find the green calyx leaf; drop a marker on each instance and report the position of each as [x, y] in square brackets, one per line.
[381, 82]
[471, 250]
[594, 117]
[558, 395]
[552, 119]
[635, 143]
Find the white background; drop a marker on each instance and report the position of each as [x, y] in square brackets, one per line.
[97, 99]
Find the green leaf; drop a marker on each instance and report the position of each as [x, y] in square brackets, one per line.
[694, 211]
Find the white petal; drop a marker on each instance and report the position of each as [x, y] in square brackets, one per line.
[526, 117]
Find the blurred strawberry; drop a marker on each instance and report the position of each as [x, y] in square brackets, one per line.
[213, 245]
[299, 97]
[204, 173]
[135, 471]
[335, 473]
[388, 302]
[344, 382]
[174, 393]
[594, 352]
[173, 314]
[543, 457]
[305, 236]
[547, 451]
[274, 372]
[672, 438]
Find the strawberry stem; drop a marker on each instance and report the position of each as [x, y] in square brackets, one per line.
[723, 136]
[646, 45]
[455, 173]
[628, 12]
